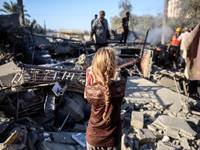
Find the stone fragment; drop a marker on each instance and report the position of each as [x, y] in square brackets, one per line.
[184, 143]
[173, 124]
[145, 136]
[10, 75]
[137, 120]
[165, 139]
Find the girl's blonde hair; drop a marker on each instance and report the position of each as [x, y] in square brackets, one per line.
[104, 66]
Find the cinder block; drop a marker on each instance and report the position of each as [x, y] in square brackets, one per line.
[137, 120]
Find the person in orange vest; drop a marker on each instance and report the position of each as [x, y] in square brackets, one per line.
[174, 48]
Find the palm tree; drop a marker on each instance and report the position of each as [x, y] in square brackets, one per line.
[12, 8]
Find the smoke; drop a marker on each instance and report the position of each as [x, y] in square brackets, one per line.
[131, 37]
[155, 35]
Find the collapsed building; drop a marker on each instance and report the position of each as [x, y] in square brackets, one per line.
[42, 104]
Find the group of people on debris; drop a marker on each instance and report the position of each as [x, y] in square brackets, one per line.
[176, 51]
[99, 27]
[104, 93]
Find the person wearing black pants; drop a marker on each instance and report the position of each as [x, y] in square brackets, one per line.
[125, 27]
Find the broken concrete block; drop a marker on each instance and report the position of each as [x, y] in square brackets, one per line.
[168, 124]
[184, 143]
[74, 108]
[145, 136]
[166, 146]
[83, 62]
[11, 75]
[55, 146]
[165, 139]
[137, 120]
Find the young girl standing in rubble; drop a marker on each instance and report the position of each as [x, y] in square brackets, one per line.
[105, 95]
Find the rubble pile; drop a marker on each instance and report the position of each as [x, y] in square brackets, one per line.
[150, 122]
[43, 106]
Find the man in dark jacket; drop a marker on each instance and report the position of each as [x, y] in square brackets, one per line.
[125, 27]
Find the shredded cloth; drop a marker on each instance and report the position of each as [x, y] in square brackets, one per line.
[192, 69]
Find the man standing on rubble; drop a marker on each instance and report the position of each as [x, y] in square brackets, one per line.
[95, 17]
[183, 50]
[99, 28]
[174, 48]
[125, 27]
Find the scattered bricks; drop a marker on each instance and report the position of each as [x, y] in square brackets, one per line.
[184, 143]
[165, 139]
[176, 124]
[145, 136]
[162, 146]
[137, 120]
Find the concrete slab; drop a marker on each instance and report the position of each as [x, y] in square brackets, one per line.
[140, 90]
[173, 127]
